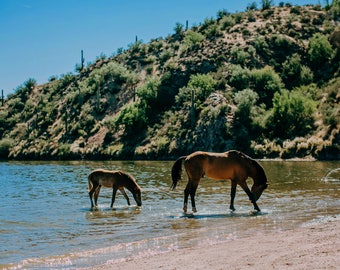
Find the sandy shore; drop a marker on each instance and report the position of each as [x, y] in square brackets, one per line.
[313, 247]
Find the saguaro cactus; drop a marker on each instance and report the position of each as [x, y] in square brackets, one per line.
[82, 60]
[192, 109]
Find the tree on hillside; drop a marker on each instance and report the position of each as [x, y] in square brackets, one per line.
[25, 90]
[320, 50]
[266, 83]
[294, 73]
[243, 119]
[266, 4]
[320, 54]
[292, 115]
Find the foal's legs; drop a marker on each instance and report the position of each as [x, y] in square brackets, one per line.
[250, 195]
[122, 190]
[114, 191]
[96, 194]
[93, 190]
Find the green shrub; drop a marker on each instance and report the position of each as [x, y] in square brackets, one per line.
[148, 94]
[330, 116]
[201, 84]
[335, 9]
[227, 22]
[266, 83]
[5, 145]
[251, 16]
[266, 4]
[238, 77]
[192, 38]
[25, 90]
[238, 17]
[291, 70]
[212, 31]
[239, 56]
[306, 75]
[292, 115]
[320, 50]
[165, 56]
[294, 73]
[64, 151]
[3, 122]
[222, 13]
[243, 119]
[133, 118]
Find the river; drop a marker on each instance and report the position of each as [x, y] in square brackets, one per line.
[46, 221]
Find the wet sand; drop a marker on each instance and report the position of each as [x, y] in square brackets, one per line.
[313, 247]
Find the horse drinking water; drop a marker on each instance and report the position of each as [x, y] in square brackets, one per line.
[232, 165]
[115, 180]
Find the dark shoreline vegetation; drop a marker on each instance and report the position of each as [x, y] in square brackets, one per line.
[264, 81]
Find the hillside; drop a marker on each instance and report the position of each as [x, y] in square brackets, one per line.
[264, 81]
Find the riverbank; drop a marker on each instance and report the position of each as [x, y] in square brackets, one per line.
[312, 247]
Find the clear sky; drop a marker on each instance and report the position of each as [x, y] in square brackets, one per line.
[44, 38]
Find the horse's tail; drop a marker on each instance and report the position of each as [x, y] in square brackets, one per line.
[176, 172]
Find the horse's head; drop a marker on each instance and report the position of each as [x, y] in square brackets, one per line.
[137, 195]
[257, 190]
[260, 181]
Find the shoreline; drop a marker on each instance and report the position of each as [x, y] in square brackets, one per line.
[316, 246]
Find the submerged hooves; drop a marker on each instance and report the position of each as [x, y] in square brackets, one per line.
[257, 209]
[185, 211]
[256, 212]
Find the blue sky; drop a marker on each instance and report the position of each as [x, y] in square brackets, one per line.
[43, 38]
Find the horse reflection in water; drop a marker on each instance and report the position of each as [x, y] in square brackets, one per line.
[232, 165]
[117, 180]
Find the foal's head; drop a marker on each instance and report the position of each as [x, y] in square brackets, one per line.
[137, 195]
[134, 188]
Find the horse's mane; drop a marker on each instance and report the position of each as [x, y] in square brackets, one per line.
[259, 169]
[130, 177]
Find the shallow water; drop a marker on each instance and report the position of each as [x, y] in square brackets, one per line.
[46, 221]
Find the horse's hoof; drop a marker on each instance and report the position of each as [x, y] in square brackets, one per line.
[194, 209]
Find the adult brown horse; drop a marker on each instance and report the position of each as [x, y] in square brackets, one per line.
[115, 180]
[232, 165]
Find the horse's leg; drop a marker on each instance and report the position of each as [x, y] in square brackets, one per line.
[96, 194]
[186, 196]
[250, 195]
[122, 190]
[190, 189]
[193, 189]
[114, 191]
[232, 195]
[90, 194]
